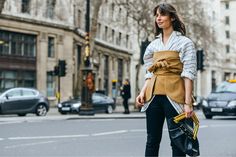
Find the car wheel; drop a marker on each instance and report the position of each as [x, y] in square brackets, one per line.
[21, 114]
[109, 109]
[41, 110]
[208, 116]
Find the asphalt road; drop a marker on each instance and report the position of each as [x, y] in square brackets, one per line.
[103, 137]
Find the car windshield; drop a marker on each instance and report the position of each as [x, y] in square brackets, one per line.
[225, 87]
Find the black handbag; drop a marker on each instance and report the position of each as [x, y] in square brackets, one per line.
[183, 133]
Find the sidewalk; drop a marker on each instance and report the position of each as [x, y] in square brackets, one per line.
[118, 113]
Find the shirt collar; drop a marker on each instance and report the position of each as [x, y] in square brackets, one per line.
[174, 33]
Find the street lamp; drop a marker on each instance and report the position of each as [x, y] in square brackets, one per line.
[88, 78]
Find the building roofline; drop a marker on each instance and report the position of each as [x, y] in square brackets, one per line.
[33, 21]
[113, 47]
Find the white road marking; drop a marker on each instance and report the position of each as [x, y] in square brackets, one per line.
[101, 120]
[203, 126]
[101, 133]
[46, 137]
[14, 122]
[28, 144]
[137, 130]
[110, 133]
[223, 125]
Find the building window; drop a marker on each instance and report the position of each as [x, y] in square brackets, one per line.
[4, 43]
[120, 13]
[226, 76]
[213, 15]
[112, 10]
[127, 41]
[78, 57]
[227, 34]
[17, 44]
[226, 5]
[227, 47]
[227, 20]
[118, 42]
[51, 47]
[25, 6]
[99, 30]
[112, 36]
[106, 33]
[128, 67]
[29, 46]
[50, 8]
[106, 74]
[11, 79]
[120, 73]
[50, 85]
[79, 19]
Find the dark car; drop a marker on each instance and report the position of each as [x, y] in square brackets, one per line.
[221, 102]
[197, 102]
[22, 101]
[101, 103]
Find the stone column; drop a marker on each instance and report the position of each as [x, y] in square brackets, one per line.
[41, 67]
[65, 52]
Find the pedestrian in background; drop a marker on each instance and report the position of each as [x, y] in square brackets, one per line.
[170, 61]
[126, 95]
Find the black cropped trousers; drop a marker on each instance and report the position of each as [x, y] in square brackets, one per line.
[159, 109]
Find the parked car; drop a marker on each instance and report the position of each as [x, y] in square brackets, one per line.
[21, 101]
[101, 103]
[198, 102]
[222, 101]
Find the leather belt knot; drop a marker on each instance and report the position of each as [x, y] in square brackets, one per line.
[158, 65]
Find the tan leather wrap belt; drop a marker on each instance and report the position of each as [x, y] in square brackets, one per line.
[166, 80]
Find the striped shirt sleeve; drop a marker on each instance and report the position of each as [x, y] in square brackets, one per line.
[147, 59]
[189, 60]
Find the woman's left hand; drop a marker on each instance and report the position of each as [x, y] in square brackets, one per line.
[188, 109]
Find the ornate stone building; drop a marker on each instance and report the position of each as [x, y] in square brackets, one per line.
[220, 58]
[35, 35]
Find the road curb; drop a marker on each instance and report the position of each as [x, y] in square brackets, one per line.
[108, 117]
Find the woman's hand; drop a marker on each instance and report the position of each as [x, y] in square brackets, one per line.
[188, 109]
[140, 100]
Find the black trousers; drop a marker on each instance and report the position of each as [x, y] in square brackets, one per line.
[125, 104]
[159, 109]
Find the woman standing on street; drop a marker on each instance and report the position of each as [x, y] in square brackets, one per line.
[126, 95]
[170, 61]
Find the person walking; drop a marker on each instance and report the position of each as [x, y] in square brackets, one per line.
[126, 95]
[170, 61]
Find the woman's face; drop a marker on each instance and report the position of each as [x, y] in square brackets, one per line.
[163, 21]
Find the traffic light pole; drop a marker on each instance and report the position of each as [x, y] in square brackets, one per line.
[59, 71]
[87, 79]
[59, 89]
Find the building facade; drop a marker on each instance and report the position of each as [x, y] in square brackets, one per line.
[35, 35]
[220, 59]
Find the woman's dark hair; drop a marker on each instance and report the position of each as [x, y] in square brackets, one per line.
[168, 9]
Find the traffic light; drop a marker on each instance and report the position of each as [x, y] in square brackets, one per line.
[62, 68]
[56, 71]
[200, 60]
[143, 47]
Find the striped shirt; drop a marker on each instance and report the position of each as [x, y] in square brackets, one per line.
[187, 53]
[176, 42]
